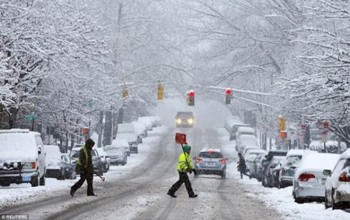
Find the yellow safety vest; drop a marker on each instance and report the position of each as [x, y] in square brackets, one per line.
[86, 157]
[184, 163]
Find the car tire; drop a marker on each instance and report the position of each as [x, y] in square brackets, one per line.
[5, 184]
[326, 205]
[334, 205]
[35, 181]
[299, 200]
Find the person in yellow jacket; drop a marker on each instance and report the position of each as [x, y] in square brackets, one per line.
[184, 165]
[85, 168]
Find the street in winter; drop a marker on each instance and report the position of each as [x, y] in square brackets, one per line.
[174, 109]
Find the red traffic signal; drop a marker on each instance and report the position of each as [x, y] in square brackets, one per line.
[190, 98]
[228, 91]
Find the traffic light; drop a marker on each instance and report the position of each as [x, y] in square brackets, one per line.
[160, 93]
[281, 123]
[125, 93]
[228, 93]
[190, 98]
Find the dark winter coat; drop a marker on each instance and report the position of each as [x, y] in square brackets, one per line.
[85, 161]
[241, 165]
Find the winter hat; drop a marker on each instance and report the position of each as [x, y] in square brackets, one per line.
[89, 143]
[187, 148]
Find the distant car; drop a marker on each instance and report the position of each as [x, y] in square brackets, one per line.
[117, 154]
[104, 159]
[246, 140]
[69, 167]
[245, 130]
[291, 163]
[122, 143]
[211, 161]
[309, 180]
[232, 123]
[147, 121]
[156, 121]
[249, 157]
[131, 139]
[124, 128]
[184, 120]
[140, 129]
[54, 165]
[338, 183]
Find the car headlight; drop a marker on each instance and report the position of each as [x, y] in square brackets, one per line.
[178, 121]
[190, 121]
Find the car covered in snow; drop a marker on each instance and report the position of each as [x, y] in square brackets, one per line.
[54, 165]
[104, 159]
[122, 143]
[338, 183]
[309, 180]
[22, 157]
[69, 167]
[246, 141]
[147, 121]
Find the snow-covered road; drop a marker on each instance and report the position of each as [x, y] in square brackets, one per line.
[138, 190]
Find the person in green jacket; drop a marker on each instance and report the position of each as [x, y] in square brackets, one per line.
[184, 165]
[85, 168]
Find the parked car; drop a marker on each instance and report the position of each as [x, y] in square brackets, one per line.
[244, 130]
[255, 170]
[291, 163]
[246, 140]
[96, 160]
[53, 161]
[117, 154]
[309, 180]
[211, 161]
[122, 143]
[146, 120]
[156, 121]
[263, 168]
[249, 157]
[338, 183]
[232, 123]
[104, 159]
[140, 129]
[272, 168]
[22, 157]
[184, 120]
[124, 128]
[131, 139]
[69, 167]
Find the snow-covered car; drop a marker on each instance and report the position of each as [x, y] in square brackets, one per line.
[117, 154]
[232, 123]
[146, 120]
[264, 165]
[53, 161]
[132, 140]
[69, 167]
[250, 156]
[338, 183]
[309, 180]
[211, 161]
[140, 129]
[246, 140]
[104, 159]
[291, 163]
[244, 130]
[156, 121]
[129, 128]
[122, 143]
[22, 157]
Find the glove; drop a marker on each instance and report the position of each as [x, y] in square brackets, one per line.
[190, 171]
[194, 172]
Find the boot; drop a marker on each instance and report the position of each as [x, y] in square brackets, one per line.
[72, 191]
[171, 194]
[193, 196]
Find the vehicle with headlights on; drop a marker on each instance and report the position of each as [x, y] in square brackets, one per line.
[211, 162]
[184, 120]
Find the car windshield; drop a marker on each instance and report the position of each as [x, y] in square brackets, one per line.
[293, 160]
[210, 154]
